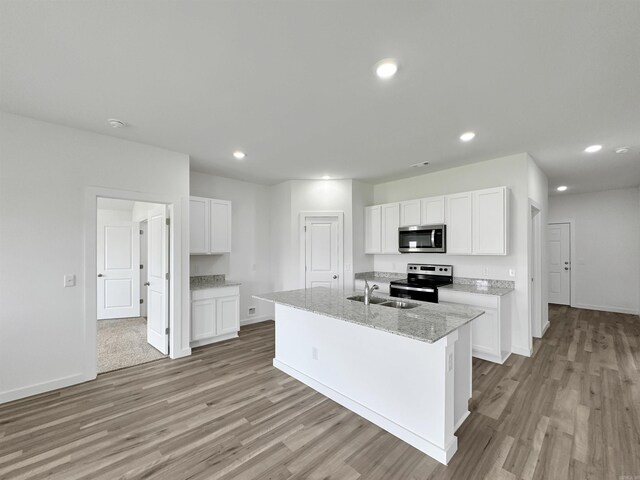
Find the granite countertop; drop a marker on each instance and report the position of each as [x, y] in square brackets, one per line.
[427, 323]
[211, 281]
[479, 289]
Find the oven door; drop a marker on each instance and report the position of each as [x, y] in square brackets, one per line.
[422, 238]
[424, 294]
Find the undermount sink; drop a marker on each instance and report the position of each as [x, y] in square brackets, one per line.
[401, 305]
[373, 301]
[383, 302]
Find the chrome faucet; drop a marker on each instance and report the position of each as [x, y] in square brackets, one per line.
[368, 291]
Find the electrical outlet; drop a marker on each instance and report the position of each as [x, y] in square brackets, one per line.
[69, 281]
[485, 271]
[314, 353]
[252, 311]
[512, 272]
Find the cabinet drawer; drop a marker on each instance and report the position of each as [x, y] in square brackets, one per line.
[214, 292]
[473, 299]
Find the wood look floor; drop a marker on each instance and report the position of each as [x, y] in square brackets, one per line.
[569, 412]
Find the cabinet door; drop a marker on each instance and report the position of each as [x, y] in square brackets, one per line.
[203, 319]
[198, 225]
[227, 315]
[459, 224]
[485, 335]
[390, 224]
[410, 213]
[372, 229]
[432, 211]
[220, 226]
[490, 222]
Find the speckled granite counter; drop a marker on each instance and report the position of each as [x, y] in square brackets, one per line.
[479, 289]
[427, 323]
[210, 281]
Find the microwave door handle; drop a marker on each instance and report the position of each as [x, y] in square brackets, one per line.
[433, 238]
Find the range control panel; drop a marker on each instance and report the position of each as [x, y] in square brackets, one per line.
[422, 269]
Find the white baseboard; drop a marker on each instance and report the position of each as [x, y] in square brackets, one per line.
[256, 319]
[601, 308]
[461, 420]
[43, 387]
[443, 455]
[525, 351]
[489, 357]
[545, 327]
[219, 338]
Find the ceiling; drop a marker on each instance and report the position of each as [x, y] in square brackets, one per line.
[292, 83]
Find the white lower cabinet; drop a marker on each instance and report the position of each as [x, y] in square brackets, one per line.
[215, 315]
[491, 332]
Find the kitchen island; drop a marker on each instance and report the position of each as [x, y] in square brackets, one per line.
[408, 370]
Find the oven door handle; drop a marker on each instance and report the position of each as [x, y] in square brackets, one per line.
[414, 289]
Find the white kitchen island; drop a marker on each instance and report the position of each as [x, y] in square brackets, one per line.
[407, 371]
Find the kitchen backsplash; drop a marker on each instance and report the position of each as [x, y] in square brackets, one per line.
[484, 282]
[206, 279]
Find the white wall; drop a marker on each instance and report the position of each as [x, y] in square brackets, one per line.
[44, 174]
[362, 197]
[250, 259]
[510, 171]
[606, 261]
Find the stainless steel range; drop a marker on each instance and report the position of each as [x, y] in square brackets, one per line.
[422, 282]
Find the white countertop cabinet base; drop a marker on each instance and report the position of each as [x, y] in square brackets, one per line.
[415, 390]
[215, 315]
[491, 332]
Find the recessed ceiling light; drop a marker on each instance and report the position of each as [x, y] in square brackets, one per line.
[386, 68]
[467, 136]
[326, 177]
[593, 148]
[622, 149]
[115, 123]
[561, 188]
[238, 155]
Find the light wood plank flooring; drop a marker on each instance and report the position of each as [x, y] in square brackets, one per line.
[569, 412]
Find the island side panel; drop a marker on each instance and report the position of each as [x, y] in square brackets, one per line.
[402, 385]
[463, 380]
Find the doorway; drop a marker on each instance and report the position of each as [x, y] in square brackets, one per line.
[559, 262]
[322, 248]
[132, 288]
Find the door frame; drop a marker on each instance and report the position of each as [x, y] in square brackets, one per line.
[536, 317]
[179, 328]
[302, 244]
[572, 257]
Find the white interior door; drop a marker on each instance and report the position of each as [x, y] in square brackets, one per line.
[118, 248]
[158, 280]
[322, 250]
[559, 255]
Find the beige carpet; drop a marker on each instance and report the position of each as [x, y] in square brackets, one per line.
[122, 342]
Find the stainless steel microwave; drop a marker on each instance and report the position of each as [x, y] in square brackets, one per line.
[422, 239]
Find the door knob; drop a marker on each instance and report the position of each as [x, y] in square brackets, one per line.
[335, 276]
[146, 284]
[100, 275]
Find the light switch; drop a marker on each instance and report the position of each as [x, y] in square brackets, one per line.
[512, 272]
[69, 281]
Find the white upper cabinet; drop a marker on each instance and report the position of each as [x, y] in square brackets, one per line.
[432, 210]
[490, 221]
[410, 213]
[459, 224]
[390, 223]
[220, 226]
[381, 224]
[209, 226]
[199, 225]
[372, 229]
